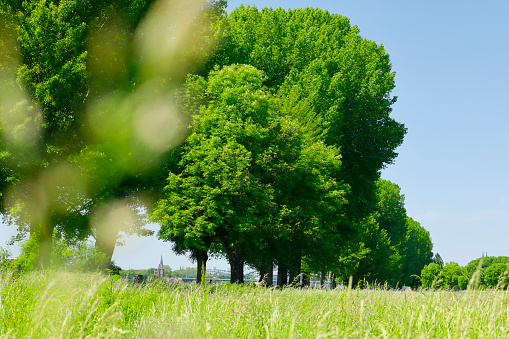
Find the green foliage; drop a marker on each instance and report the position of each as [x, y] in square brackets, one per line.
[290, 118]
[84, 69]
[383, 261]
[331, 80]
[126, 273]
[417, 252]
[451, 274]
[28, 256]
[462, 282]
[486, 262]
[216, 168]
[481, 265]
[320, 75]
[79, 256]
[430, 276]
[247, 176]
[497, 275]
[437, 259]
[398, 246]
[390, 211]
[52, 101]
[4, 252]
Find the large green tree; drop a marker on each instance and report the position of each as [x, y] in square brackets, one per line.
[336, 86]
[430, 275]
[390, 211]
[381, 262]
[497, 275]
[100, 115]
[397, 246]
[247, 182]
[417, 252]
[335, 82]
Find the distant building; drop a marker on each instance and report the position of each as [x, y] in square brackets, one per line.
[159, 271]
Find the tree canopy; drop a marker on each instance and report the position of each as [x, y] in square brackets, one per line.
[331, 78]
[333, 88]
[246, 176]
[88, 128]
[260, 134]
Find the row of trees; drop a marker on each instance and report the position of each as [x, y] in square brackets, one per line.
[290, 128]
[479, 273]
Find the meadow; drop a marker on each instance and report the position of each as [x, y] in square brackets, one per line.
[78, 305]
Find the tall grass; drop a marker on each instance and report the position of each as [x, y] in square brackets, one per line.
[78, 305]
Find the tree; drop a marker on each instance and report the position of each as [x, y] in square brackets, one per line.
[212, 197]
[382, 262]
[383, 233]
[417, 252]
[76, 256]
[497, 275]
[336, 83]
[451, 275]
[485, 263]
[324, 72]
[27, 259]
[437, 259]
[48, 189]
[311, 199]
[481, 265]
[4, 252]
[390, 211]
[248, 180]
[84, 79]
[398, 246]
[430, 276]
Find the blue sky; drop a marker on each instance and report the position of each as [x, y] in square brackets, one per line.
[452, 72]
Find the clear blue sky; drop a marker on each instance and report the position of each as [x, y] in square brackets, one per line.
[452, 72]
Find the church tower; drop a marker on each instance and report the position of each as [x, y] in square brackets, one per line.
[159, 271]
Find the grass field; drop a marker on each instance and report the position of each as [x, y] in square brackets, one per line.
[78, 305]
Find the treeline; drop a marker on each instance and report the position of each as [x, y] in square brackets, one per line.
[259, 135]
[483, 272]
[290, 130]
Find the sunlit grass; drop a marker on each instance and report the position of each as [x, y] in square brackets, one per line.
[74, 305]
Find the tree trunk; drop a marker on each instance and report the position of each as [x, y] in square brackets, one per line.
[266, 273]
[294, 279]
[261, 278]
[292, 276]
[201, 263]
[236, 267]
[235, 258]
[105, 244]
[306, 281]
[45, 245]
[269, 280]
[332, 281]
[282, 275]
